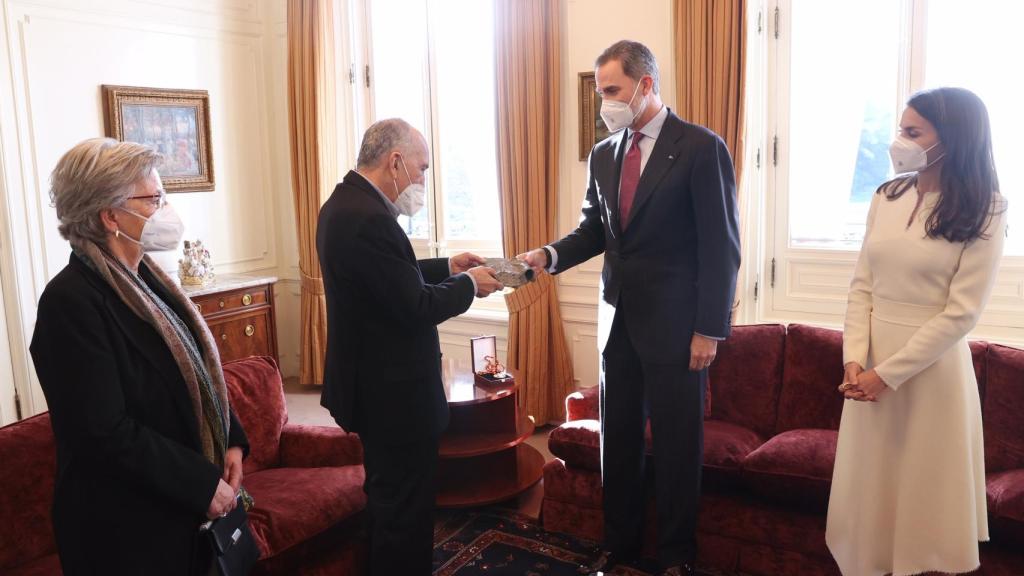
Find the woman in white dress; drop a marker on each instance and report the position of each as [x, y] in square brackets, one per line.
[908, 489]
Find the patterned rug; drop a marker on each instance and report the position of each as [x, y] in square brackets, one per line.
[500, 542]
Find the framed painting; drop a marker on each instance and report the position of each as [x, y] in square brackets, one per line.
[592, 127]
[174, 122]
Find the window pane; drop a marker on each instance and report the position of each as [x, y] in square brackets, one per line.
[399, 75]
[843, 114]
[975, 45]
[464, 48]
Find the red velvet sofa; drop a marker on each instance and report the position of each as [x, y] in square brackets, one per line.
[307, 482]
[769, 447]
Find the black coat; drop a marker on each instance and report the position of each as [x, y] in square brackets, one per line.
[673, 268]
[383, 370]
[132, 484]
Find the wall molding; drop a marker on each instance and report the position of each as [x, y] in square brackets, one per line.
[239, 36]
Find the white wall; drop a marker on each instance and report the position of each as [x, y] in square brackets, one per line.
[287, 289]
[57, 53]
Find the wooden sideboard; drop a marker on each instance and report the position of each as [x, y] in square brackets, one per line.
[239, 309]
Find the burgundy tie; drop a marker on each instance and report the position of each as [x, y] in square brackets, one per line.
[630, 178]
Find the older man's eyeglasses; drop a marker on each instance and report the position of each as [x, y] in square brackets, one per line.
[157, 201]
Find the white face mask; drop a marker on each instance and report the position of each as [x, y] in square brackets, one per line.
[618, 115]
[162, 231]
[411, 200]
[908, 156]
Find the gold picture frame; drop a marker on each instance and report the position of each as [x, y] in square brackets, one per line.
[592, 127]
[174, 122]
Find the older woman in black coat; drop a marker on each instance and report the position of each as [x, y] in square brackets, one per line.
[147, 446]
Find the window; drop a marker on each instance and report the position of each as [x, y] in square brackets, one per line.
[835, 83]
[839, 132]
[431, 62]
[974, 45]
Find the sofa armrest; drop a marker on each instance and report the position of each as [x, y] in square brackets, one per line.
[1005, 491]
[583, 404]
[305, 446]
[578, 444]
[1006, 494]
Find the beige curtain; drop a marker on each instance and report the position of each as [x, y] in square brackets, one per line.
[710, 41]
[529, 73]
[711, 56]
[312, 136]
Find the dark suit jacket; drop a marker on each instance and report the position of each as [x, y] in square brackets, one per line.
[673, 268]
[383, 370]
[132, 483]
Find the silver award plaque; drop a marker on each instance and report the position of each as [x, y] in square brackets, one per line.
[511, 273]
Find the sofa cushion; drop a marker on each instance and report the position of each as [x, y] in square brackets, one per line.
[578, 443]
[1005, 492]
[1002, 409]
[293, 505]
[746, 377]
[794, 467]
[813, 370]
[257, 397]
[727, 445]
[28, 460]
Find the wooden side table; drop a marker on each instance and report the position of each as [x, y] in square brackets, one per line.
[483, 457]
[239, 309]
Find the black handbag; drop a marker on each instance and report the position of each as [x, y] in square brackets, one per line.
[232, 546]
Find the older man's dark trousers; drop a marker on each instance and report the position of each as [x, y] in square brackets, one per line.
[673, 397]
[401, 485]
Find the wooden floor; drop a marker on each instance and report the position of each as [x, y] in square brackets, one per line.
[304, 408]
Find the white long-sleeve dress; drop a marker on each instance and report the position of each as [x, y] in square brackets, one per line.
[908, 488]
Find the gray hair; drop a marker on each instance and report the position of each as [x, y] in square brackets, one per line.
[95, 175]
[381, 138]
[637, 61]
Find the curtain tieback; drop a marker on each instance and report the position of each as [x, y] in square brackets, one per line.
[311, 285]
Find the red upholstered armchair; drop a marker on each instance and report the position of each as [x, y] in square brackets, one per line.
[769, 448]
[307, 482]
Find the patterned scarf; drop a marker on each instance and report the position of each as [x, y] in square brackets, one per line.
[199, 362]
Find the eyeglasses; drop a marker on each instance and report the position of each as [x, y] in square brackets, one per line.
[157, 201]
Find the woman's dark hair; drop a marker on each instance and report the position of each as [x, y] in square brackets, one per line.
[968, 178]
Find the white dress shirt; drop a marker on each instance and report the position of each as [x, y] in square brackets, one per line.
[651, 131]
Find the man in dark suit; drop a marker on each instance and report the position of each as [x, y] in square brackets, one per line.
[661, 207]
[383, 365]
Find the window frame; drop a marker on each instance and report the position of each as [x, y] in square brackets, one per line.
[363, 113]
[807, 284]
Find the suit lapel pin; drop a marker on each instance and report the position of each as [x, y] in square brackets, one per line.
[671, 157]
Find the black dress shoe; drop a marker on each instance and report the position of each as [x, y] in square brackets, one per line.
[603, 562]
